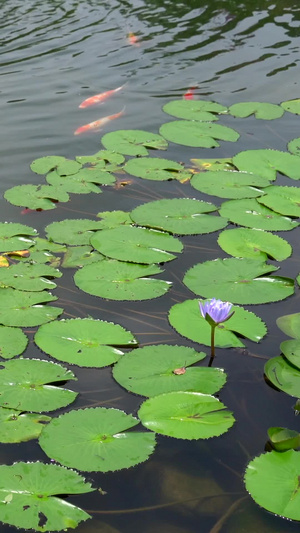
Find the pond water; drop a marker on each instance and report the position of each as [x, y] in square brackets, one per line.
[54, 55]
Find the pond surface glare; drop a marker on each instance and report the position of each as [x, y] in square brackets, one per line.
[55, 54]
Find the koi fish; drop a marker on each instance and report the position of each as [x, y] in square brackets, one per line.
[133, 39]
[98, 124]
[190, 93]
[99, 98]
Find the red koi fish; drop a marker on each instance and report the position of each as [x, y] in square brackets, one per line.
[99, 98]
[190, 94]
[97, 125]
[133, 39]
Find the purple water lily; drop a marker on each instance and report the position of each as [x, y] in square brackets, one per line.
[217, 310]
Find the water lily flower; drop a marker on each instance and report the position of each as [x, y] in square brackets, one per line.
[215, 312]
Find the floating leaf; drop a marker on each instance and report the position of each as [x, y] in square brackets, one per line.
[283, 439]
[267, 162]
[272, 479]
[186, 319]
[24, 309]
[45, 244]
[43, 165]
[112, 219]
[96, 440]
[251, 213]
[138, 245]
[183, 216]
[12, 342]
[36, 196]
[229, 184]
[27, 385]
[283, 375]
[72, 231]
[15, 236]
[116, 280]
[30, 496]
[244, 242]
[133, 142]
[83, 182]
[213, 164]
[294, 146]
[156, 169]
[290, 324]
[68, 167]
[84, 342]
[78, 256]
[292, 106]
[103, 155]
[260, 110]
[16, 426]
[186, 415]
[241, 281]
[291, 350]
[194, 109]
[152, 370]
[283, 200]
[29, 277]
[197, 134]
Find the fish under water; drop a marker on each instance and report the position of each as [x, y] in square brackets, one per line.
[133, 39]
[99, 98]
[97, 125]
[190, 94]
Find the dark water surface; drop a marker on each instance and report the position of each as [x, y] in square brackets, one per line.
[55, 54]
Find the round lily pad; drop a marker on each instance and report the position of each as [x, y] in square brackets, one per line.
[78, 256]
[117, 280]
[74, 232]
[105, 156]
[162, 368]
[229, 183]
[29, 277]
[16, 426]
[15, 236]
[28, 385]
[83, 182]
[267, 162]
[31, 496]
[292, 106]
[156, 169]
[84, 342]
[283, 200]
[96, 440]
[186, 415]
[133, 142]
[293, 146]
[36, 196]
[245, 242]
[112, 219]
[290, 325]
[26, 309]
[272, 479]
[283, 375]
[261, 110]
[197, 134]
[291, 350]
[203, 110]
[183, 216]
[12, 342]
[42, 165]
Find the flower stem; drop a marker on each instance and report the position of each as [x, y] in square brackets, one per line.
[212, 342]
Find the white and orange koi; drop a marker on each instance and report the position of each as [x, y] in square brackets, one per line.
[99, 98]
[97, 125]
[133, 39]
[190, 94]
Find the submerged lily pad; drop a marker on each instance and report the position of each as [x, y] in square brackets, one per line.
[36, 196]
[29, 277]
[183, 216]
[267, 162]
[156, 169]
[283, 375]
[197, 134]
[15, 236]
[72, 231]
[186, 415]
[138, 245]
[229, 184]
[17, 426]
[283, 200]
[84, 342]
[156, 369]
[96, 440]
[116, 280]
[133, 142]
[238, 280]
[291, 350]
[25, 309]
[261, 110]
[272, 479]
[31, 496]
[12, 342]
[28, 385]
[244, 242]
[187, 320]
[203, 110]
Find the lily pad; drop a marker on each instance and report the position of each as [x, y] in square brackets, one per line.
[283, 439]
[244, 242]
[107, 156]
[229, 184]
[12, 342]
[292, 106]
[260, 110]
[28, 385]
[112, 219]
[251, 213]
[293, 146]
[183, 216]
[186, 415]
[43, 165]
[156, 169]
[283, 375]
[83, 182]
[213, 164]
[16, 236]
[29, 277]
[156, 369]
[116, 280]
[238, 280]
[30, 496]
[137, 245]
[84, 342]
[133, 142]
[186, 319]
[96, 440]
[290, 325]
[194, 109]
[78, 256]
[291, 350]
[283, 200]
[272, 479]
[267, 163]
[16, 426]
[74, 232]
[36, 196]
[197, 134]
[25, 309]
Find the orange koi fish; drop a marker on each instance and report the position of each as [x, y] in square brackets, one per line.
[133, 39]
[99, 98]
[190, 93]
[97, 125]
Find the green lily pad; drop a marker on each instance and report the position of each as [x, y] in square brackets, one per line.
[133, 142]
[283, 439]
[183, 216]
[197, 134]
[194, 109]
[137, 245]
[25, 309]
[43, 165]
[229, 184]
[16, 236]
[68, 167]
[292, 106]
[30, 496]
[84, 342]
[283, 200]
[45, 244]
[272, 479]
[156, 369]
[96, 440]
[107, 156]
[36, 196]
[78, 256]
[293, 146]
[283, 375]
[290, 325]
[28, 277]
[267, 162]
[291, 350]
[156, 169]
[83, 182]
[244, 242]
[12, 342]
[16, 426]
[187, 320]
[112, 219]
[260, 110]
[251, 213]
[74, 232]
[213, 164]
[116, 280]
[28, 385]
[186, 415]
[238, 280]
